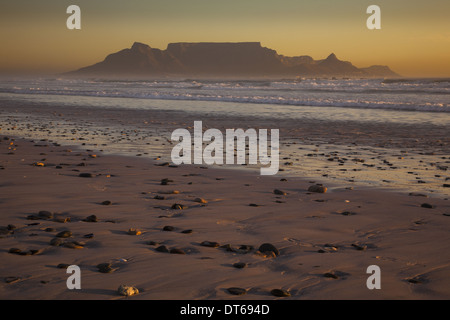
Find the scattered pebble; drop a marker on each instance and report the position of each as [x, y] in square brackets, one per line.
[267, 247]
[134, 232]
[280, 293]
[237, 291]
[317, 188]
[127, 290]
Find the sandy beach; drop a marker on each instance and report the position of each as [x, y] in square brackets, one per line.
[199, 230]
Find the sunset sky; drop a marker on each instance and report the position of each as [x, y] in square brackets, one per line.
[414, 39]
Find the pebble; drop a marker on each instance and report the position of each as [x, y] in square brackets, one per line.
[168, 228]
[330, 275]
[63, 266]
[134, 232]
[91, 218]
[200, 200]
[239, 265]
[236, 291]
[64, 234]
[317, 188]
[427, 205]
[279, 192]
[127, 290]
[210, 244]
[106, 203]
[280, 293]
[73, 245]
[177, 251]
[105, 268]
[162, 249]
[267, 247]
[178, 206]
[86, 175]
[14, 250]
[56, 242]
[45, 215]
[165, 181]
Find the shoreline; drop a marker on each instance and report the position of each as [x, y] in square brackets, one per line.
[340, 232]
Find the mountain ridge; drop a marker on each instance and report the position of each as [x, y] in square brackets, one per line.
[227, 59]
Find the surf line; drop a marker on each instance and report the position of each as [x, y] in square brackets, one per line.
[235, 139]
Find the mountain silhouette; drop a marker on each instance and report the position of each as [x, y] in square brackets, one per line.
[212, 59]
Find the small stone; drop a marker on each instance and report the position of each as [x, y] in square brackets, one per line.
[236, 291]
[11, 227]
[165, 181]
[279, 192]
[210, 244]
[178, 206]
[127, 291]
[280, 293]
[267, 247]
[91, 218]
[134, 232]
[239, 265]
[64, 234]
[168, 228]
[187, 231]
[56, 242]
[427, 205]
[330, 275]
[200, 200]
[45, 215]
[162, 249]
[14, 250]
[105, 268]
[50, 229]
[158, 197]
[317, 188]
[106, 203]
[63, 266]
[86, 175]
[348, 213]
[73, 245]
[88, 236]
[177, 251]
[358, 247]
[62, 220]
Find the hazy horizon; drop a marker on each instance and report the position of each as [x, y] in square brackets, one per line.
[414, 40]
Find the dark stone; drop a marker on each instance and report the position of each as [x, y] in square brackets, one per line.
[178, 206]
[85, 175]
[64, 234]
[280, 293]
[279, 192]
[267, 247]
[317, 188]
[211, 244]
[177, 251]
[427, 205]
[162, 249]
[236, 291]
[45, 215]
[168, 228]
[106, 203]
[105, 268]
[63, 265]
[91, 218]
[239, 265]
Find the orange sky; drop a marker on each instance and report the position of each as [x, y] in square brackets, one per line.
[414, 39]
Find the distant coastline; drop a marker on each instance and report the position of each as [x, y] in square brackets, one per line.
[224, 60]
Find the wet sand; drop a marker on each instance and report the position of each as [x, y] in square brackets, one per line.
[323, 242]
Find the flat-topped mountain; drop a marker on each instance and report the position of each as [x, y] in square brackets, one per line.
[239, 59]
